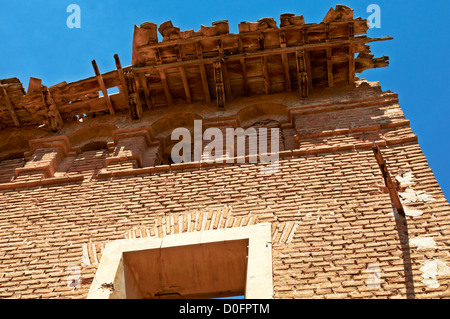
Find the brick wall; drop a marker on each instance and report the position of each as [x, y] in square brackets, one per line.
[335, 233]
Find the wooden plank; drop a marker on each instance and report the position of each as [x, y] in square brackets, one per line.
[103, 88]
[185, 81]
[10, 105]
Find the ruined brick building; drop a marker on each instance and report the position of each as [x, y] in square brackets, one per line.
[92, 206]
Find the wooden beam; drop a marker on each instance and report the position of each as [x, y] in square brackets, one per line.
[266, 52]
[162, 74]
[103, 88]
[265, 70]
[244, 76]
[205, 83]
[388, 180]
[199, 49]
[261, 40]
[287, 76]
[285, 61]
[123, 84]
[185, 81]
[51, 111]
[226, 80]
[308, 70]
[330, 67]
[218, 79]
[10, 105]
[134, 101]
[144, 85]
[302, 74]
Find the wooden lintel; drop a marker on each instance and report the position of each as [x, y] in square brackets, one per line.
[265, 70]
[244, 76]
[330, 67]
[144, 85]
[162, 74]
[10, 105]
[185, 81]
[103, 88]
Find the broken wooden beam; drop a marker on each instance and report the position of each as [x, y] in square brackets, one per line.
[393, 193]
[103, 88]
[123, 87]
[134, 101]
[10, 106]
[52, 114]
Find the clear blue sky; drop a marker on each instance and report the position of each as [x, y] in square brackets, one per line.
[35, 41]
